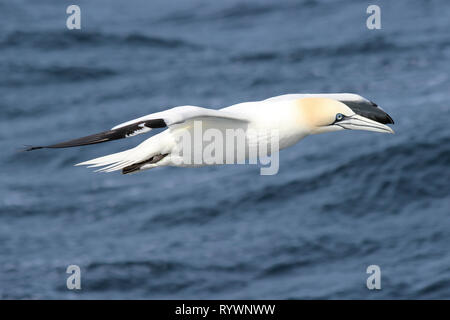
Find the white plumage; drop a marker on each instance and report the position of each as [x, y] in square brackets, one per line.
[291, 116]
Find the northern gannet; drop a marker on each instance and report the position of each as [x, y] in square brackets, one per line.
[291, 116]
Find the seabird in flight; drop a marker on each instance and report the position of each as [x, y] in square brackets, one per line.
[294, 116]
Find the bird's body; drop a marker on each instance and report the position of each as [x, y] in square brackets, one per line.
[275, 122]
[260, 123]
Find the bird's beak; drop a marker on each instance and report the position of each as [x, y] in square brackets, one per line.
[358, 122]
[368, 116]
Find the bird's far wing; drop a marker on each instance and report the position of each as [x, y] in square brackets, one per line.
[337, 96]
[181, 114]
[290, 96]
[144, 124]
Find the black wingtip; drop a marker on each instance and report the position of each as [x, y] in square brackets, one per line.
[31, 148]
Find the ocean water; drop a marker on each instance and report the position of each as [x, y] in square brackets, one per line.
[340, 202]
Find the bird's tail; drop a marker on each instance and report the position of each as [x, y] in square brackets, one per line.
[111, 162]
[128, 161]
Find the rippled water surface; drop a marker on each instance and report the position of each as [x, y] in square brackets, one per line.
[340, 202]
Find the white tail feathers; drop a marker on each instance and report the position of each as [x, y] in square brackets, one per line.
[118, 161]
[111, 162]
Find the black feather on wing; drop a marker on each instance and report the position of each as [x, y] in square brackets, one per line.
[115, 134]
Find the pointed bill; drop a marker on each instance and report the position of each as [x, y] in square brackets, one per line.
[357, 122]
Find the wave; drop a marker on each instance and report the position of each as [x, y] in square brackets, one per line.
[60, 40]
[356, 47]
[237, 11]
[25, 74]
[156, 276]
[245, 10]
[196, 215]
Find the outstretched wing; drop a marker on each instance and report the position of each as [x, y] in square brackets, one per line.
[335, 96]
[144, 124]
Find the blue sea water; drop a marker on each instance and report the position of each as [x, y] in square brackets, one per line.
[340, 202]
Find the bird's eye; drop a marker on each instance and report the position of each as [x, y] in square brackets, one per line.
[339, 117]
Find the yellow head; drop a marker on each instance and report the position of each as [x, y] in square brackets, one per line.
[326, 115]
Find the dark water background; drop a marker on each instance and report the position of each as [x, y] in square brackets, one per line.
[340, 202]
